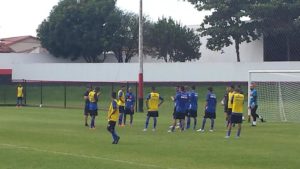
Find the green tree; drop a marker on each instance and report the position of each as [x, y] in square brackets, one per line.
[174, 43]
[124, 39]
[278, 18]
[225, 25]
[77, 30]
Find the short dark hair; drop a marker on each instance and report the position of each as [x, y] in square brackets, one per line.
[153, 88]
[114, 95]
[237, 89]
[210, 89]
[182, 88]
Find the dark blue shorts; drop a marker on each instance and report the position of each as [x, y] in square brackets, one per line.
[86, 110]
[210, 115]
[229, 111]
[152, 114]
[179, 115]
[236, 118]
[121, 109]
[93, 109]
[129, 111]
[192, 113]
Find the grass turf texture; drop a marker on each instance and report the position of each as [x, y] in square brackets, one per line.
[47, 138]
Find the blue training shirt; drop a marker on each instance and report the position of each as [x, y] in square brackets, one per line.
[129, 100]
[193, 100]
[181, 101]
[253, 97]
[211, 100]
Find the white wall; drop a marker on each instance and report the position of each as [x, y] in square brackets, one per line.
[249, 52]
[153, 72]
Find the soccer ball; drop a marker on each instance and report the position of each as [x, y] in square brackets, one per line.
[40, 105]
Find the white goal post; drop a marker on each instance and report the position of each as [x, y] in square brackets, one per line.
[278, 94]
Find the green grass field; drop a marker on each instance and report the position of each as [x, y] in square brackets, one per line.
[50, 138]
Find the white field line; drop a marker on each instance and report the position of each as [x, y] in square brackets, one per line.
[81, 156]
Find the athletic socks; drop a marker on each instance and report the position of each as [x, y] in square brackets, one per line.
[154, 122]
[212, 124]
[228, 133]
[195, 123]
[238, 132]
[120, 118]
[188, 123]
[131, 119]
[93, 121]
[203, 123]
[147, 122]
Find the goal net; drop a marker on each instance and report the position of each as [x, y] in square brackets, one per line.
[278, 94]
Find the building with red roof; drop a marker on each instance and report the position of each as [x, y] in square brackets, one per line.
[21, 44]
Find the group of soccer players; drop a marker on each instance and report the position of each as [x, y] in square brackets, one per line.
[185, 108]
[120, 106]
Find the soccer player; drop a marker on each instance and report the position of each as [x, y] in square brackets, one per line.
[112, 116]
[20, 95]
[237, 112]
[181, 100]
[210, 110]
[192, 109]
[93, 107]
[86, 106]
[153, 102]
[253, 104]
[121, 104]
[177, 89]
[229, 103]
[225, 104]
[129, 105]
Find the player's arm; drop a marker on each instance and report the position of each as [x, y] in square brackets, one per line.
[147, 101]
[86, 96]
[96, 96]
[161, 101]
[206, 101]
[133, 103]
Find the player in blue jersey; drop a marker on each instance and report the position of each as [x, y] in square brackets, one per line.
[86, 105]
[210, 109]
[253, 104]
[181, 100]
[129, 105]
[177, 89]
[192, 108]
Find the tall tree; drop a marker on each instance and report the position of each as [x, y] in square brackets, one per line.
[124, 39]
[278, 18]
[173, 42]
[77, 30]
[225, 25]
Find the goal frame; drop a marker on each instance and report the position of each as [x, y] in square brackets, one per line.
[251, 72]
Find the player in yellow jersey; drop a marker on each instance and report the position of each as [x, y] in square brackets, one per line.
[112, 116]
[121, 104]
[153, 102]
[93, 107]
[237, 112]
[20, 95]
[229, 103]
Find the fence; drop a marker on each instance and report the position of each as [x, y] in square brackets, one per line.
[70, 94]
